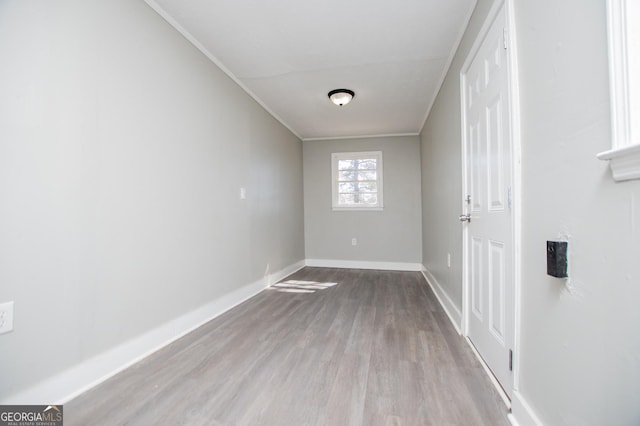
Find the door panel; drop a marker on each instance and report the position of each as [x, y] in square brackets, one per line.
[476, 171]
[495, 155]
[476, 277]
[496, 290]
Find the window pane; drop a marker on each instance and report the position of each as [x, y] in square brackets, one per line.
[367, 187]
[369, 198]
[347, 164]
[346, 199]
[347, 175]
[367, 175]
[367, 164]
[346, 187]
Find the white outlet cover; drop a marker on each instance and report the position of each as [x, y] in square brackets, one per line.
[6, 317]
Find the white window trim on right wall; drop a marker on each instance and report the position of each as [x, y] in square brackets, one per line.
[624, 82]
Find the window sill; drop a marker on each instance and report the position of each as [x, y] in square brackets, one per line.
[624, 162]
[357, 209]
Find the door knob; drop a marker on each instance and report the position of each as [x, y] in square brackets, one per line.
[464, 218]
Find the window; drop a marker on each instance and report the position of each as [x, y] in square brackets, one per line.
[624, 76]
[356, 180]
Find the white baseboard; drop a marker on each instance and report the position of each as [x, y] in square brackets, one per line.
[449, 307]
[283, 273]
[358, 264]
[521, 412]
[68, 384]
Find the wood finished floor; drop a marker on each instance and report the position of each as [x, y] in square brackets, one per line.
[375, 349]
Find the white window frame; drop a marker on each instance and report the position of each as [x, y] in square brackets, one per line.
[624, 82]
[335, 158]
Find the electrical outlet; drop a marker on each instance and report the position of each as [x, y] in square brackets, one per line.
[354, 242]
[6, 317]
[243, 193]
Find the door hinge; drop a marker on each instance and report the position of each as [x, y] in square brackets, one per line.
[504, 37]
[510, 359]
[509, 198]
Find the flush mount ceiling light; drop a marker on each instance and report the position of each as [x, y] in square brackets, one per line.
[341, 96]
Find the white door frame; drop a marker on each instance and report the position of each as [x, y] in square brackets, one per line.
[514, 116]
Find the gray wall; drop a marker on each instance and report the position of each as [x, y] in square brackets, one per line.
[391, 235]
[580, 340]
[590, 327]
[441, 164]
[122, 151]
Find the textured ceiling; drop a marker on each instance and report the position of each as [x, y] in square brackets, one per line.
[288, 54]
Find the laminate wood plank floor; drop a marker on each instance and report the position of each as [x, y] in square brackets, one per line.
[324, 347]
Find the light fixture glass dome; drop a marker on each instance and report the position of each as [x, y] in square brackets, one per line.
[341, 97]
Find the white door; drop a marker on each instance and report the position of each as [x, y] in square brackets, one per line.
[488, 234]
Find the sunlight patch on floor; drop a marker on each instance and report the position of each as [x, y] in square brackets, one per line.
[293, 290]
[297, 286]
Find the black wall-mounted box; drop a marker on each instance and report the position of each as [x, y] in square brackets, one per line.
[557, 259]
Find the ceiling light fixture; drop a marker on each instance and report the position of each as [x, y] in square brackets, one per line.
[341, 97]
